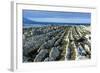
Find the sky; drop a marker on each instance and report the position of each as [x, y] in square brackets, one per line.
[56, 17]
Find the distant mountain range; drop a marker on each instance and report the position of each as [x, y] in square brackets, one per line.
[28, 22]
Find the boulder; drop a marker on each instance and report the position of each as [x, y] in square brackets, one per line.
[57, 42]
[46, 59]
[54, 53]
[49, 59]
[42, 54]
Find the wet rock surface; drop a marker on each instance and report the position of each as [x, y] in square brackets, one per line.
[56, 43]
[54, 53]
[41, 56]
